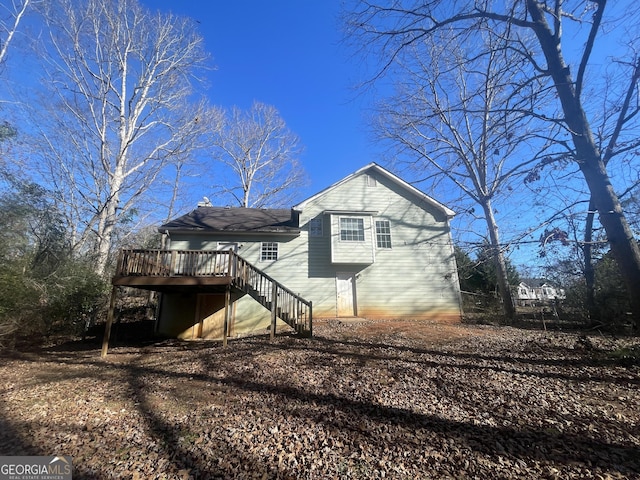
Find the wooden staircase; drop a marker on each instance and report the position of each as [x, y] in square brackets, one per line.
[284, 304]
[163, 270]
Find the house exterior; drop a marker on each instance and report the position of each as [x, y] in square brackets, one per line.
[532, 292]
[525, 295]
[370, 246]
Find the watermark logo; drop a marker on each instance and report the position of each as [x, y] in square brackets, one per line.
[36, 468]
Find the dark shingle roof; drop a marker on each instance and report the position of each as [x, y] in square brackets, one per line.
[234, 220]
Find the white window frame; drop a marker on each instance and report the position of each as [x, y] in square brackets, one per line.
[349, 232]
[385, 236]
[269, 251]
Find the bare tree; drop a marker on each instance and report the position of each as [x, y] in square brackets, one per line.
[614, 104]
[11, 14]
[613, 141]
[398, 27]
[121, 79]
[462, 119]
[16, 11]
[262, 153]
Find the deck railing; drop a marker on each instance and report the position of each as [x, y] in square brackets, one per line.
[170, 263]
[284, 303]
[287, 305]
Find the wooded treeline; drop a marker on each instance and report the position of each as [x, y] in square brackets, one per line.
[526, 106]
[520, 116]
[104, 120]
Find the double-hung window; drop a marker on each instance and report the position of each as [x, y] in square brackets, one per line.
[383, 234]
[351, 229]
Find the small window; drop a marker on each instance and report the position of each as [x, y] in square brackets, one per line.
[269, 251]
[352, 229]
[383, 234]
[315, 227]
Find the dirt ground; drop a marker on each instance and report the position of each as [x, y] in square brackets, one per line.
[361, 399]
[421, 331]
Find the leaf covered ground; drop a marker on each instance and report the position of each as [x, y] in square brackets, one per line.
[359, 400]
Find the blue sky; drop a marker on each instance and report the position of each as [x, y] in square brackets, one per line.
[287, 53]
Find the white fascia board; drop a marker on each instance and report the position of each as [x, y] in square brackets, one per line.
[394, 178]
[351, 212]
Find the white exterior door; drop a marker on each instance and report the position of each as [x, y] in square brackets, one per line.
[345, 292]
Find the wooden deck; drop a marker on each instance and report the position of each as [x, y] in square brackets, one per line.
[173, 270]
[211, 271]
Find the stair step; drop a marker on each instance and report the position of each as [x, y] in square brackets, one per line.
[264, 297]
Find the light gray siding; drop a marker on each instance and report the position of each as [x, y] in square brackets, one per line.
[352, 251]
[416, 278]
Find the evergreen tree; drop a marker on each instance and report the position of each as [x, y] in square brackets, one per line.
[479, 275]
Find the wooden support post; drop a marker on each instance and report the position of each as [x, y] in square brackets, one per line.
[274, 309]
[227, 312]
[107, 327]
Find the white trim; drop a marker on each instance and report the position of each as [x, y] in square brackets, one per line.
[375, 232]
[360, 213]
[269, 251]
[352, 217]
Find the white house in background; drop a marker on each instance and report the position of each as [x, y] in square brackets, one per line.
[535, 291]
[370, 245]
[526, 295]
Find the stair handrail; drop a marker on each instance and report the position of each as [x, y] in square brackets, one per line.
[240, 264]
[271, 279]
[167, 263]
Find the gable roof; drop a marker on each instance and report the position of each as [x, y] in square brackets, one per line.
[234, 220]
[387, 174]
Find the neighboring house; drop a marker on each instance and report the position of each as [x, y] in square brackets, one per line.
[370, 246]
[526, 295]
[537, 291]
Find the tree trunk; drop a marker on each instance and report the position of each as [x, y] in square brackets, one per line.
[623, 245]
[105, 232]
[108, 221]
[498, 258]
